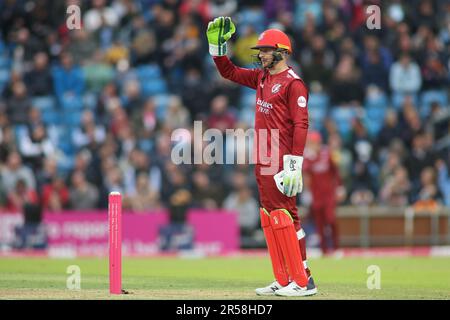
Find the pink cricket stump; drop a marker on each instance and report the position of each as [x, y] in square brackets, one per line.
[115, 242]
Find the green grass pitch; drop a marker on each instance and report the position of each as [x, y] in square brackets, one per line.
[221, 278]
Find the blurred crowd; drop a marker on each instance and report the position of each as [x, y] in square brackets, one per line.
[91, 110]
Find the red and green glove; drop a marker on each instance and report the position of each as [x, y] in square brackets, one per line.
[218, 33]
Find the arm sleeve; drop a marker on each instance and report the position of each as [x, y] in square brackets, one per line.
[246, 77]
[334, 168]
[298, 109]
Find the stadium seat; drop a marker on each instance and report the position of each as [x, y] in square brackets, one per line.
[20, 131]
[51, 117]
[379, 101]
[343, 117]
[247, 115]
[254, 17]
[71, 103]
[44, 103]
[146, 145]
[72, 118]
[153, 87]
[65, 142]
[54, 132]
[430, 96]
[90, 100]
[374, 119]
[161, 103]
[398, 98]
[148, 72]
[4, 78]
[317, 109]
[247, 99]
[5, 62]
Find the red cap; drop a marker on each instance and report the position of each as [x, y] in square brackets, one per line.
[274, 38]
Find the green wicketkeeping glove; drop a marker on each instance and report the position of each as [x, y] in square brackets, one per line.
[219, 31]
[289, 180]
[292, 180]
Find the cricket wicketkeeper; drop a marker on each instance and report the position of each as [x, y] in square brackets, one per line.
[281, 106]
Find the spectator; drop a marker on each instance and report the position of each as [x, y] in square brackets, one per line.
[391, 163]
[89, 133]
[347, 75]
[220, 118]
[14, 171]
[443, 180]
[19, 104]
[242, 48]
[396, 188]
[99, 16]
[193, 93]
[389, 131]
[434, 74]
[26, 46]
[420, 158]
[427, 197]
[97, 72]
[55, 195]
[68, 78]
[205, 194]
[375, 72]
[144, 120]
[35, 146]
[404, 76]
[21, 195]
[132, 99]
[241, 201]
[39, 80]
[317, 62]
[7, 142]
[48, 173]
[342, 157]
[177, 115]
[82, 47]
[145, 198]
[83, 195]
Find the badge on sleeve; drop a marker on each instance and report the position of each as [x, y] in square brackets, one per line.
[301, 101]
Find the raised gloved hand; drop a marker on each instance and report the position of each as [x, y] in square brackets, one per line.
[289, 181]
[218, 33]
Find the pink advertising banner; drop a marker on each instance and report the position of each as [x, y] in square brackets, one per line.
[73, 233]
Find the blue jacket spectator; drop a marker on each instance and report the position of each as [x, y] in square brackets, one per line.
[68, 78]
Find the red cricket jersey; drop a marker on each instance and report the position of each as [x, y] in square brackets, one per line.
[324, 175]
[281, 103]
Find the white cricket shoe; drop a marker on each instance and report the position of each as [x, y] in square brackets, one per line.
[294, 290]
[269, 290]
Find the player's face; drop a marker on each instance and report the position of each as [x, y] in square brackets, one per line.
[266, 56]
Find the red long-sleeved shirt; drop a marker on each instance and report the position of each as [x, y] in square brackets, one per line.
[324, 173]
[281, 103]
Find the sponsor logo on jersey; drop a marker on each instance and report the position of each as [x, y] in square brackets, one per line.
[263, 106]
[276, 87]
[301, 101]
